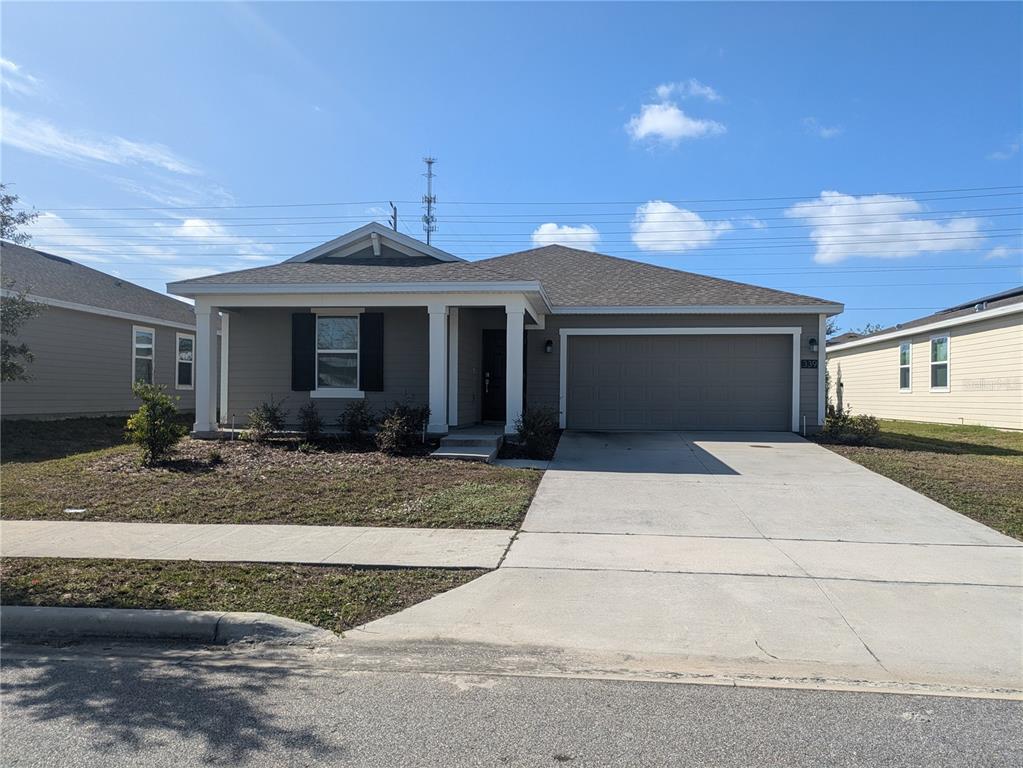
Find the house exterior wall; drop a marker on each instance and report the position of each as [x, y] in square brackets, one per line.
[985, 376]
[543, 370]
[259, 355]
[83, 366]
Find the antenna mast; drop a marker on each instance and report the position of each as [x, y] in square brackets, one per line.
[429, 200]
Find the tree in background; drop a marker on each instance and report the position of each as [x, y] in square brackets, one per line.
[15, 308]
[12, 221]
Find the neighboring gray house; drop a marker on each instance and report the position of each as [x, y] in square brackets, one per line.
[95, 336]
[607, 343]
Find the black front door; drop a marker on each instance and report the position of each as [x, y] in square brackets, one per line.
[495, 346]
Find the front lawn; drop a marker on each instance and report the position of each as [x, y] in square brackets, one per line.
[328, 597]
[977, 471]
[80, 470]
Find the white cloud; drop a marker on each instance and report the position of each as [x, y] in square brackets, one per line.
[881, 226]
[691, 88]
[1002, 252]
[218, 237]
[43, 138]
[814, 126]
[1008, 152]
[16, 80]
[584, 236]
[661, 226]
[667, 123]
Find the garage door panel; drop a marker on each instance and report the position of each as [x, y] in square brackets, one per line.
[679, 382]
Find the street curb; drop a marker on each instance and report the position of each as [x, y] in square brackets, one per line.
[208, 627]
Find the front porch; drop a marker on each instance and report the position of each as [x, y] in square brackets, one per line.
[463, 356]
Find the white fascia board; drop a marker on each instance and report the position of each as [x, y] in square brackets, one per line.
[399, 241]
[709, 331]
[985, 314]
[708, 309]
[61, 304]
[197, 289]
[386, 298]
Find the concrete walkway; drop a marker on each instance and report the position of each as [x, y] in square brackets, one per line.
[757, 555]
[309, 544]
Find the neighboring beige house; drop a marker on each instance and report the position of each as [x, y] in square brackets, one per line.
[963, 365]
[96, 335]
[607, 343]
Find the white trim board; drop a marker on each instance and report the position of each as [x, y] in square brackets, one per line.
[371, 235]
[704, 309]
[61, 304]
[984, 314]
[794, 331]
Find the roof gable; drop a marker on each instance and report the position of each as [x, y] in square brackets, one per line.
[373, 238]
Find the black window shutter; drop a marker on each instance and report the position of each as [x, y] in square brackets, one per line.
[303, 352]
[371, 352]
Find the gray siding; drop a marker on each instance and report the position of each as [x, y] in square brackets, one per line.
[259, 357]
[542, 369]
[83, 366]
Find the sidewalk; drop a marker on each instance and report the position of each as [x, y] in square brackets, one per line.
[308, 544]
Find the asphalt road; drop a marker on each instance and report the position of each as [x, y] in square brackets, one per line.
[84, 708]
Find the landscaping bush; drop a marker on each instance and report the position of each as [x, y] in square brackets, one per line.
[401, 429]
[841, 426]
[356, 420]
[538, 430]
[154, 427]
[311, 422]
[266, 419]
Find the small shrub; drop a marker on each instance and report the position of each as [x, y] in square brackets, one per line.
[356, 420]
[306, 447]
[311, 422]
[537, 430]
[154, 427]
[401, 429]
[215, 457]
[266, 419]
[841, 426]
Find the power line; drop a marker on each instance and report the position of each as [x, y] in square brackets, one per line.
[990, 189]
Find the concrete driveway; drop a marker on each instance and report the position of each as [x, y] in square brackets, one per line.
[743, 556]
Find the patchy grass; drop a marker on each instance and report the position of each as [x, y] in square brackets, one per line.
[243, 482]
[977, 471]
[333, 598]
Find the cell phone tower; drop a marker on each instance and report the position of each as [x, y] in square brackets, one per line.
[429, 200]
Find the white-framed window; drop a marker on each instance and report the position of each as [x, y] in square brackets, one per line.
[939, 363]
[337, 354]
[184, 373]
[143, 356]
[905, 366]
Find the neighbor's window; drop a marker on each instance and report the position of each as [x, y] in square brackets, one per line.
[939, 363]
[186, 361]
[905, 362]
[337, 352]
[142, 354]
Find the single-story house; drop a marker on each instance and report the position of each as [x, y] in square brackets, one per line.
[963, 365]
[95, 335]
[606, 343]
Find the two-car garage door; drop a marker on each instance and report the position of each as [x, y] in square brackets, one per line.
[712, 382]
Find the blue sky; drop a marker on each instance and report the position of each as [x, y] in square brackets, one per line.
[637, 130]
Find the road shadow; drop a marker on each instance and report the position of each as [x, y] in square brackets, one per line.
[139, 702]
[663, 453]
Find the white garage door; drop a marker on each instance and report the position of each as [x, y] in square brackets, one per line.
[714, 382]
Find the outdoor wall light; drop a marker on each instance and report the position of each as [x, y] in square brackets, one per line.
[813, 344]
[548, 346]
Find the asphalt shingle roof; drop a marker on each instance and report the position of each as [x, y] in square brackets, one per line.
[569, 276]
[1004, 299]
[53, 277]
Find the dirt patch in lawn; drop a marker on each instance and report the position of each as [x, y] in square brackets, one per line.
[244, 482]
[333, 598]
[976, 471]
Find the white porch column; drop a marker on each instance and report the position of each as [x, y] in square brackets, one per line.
[224, 343]
[438, 369]
[205, 367]
[796, 376]
[453, 366]
[822, 368]
[513, 372]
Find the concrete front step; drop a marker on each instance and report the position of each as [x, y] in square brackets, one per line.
[471, 440]
[485, 453]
